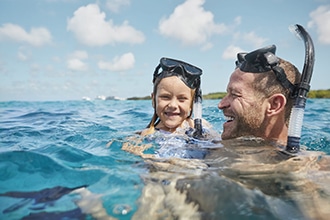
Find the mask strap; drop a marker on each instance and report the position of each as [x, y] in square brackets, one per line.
[273, 61]
[281, 77]
[156, 73]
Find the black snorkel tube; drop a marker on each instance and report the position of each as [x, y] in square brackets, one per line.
[297, 112]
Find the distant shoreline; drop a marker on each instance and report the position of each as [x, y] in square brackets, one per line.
[321, 93]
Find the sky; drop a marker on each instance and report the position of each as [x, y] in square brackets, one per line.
[53, 50]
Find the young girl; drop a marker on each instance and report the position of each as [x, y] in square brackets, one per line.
[173, 96]
[176, 91]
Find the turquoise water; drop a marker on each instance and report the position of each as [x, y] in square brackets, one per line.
[49, 149]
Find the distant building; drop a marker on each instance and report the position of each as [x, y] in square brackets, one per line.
[86, 98]
[114, 98]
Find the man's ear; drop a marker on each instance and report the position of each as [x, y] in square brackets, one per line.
[276, 105]
[153, 100]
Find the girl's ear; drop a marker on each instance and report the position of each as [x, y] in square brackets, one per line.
[153, 100]
[276, 105]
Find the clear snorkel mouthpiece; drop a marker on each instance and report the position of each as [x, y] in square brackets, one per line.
[198, 132]
[297, 112]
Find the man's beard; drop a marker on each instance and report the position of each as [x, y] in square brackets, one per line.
[250, 124]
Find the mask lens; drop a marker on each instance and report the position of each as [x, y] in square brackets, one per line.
[170, 64]
[188, 73]
[257, 61]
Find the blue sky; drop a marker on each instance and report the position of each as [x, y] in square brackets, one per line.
[68, 49]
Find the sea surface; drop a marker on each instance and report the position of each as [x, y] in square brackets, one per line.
[64, 160]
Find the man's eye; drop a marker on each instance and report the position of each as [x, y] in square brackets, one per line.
[235, 95]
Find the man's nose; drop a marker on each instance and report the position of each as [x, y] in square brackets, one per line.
[223, 103]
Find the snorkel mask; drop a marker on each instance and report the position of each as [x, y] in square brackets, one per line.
[190, 75]
[264, 60]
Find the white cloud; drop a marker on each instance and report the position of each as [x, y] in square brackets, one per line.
[79, 54]
[231, 52]
[122, 63]
[75, 62]
[253, 39]
[191, 24]
[36, 36]
[207, 46]
[250, 38]
[24, 54]
[90, 27]
[321, 19]
[115, 5]
[238, 20]
[21, 56]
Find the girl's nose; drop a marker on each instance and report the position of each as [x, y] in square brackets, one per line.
[173, 103]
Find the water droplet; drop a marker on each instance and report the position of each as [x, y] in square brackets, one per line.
[122, 209]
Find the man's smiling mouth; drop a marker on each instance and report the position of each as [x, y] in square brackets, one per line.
[229, 118]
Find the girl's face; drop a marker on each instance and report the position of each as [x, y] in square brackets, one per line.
[172, 102]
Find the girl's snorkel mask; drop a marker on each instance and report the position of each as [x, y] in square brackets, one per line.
[190, 75]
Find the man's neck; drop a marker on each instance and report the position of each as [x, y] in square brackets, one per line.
[276, 130]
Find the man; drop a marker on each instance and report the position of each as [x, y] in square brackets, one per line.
[258, 101]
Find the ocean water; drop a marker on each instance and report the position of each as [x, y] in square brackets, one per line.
[64, 160]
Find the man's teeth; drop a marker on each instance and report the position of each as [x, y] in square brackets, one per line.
[229, 118]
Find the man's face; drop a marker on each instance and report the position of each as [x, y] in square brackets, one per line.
[244, 111]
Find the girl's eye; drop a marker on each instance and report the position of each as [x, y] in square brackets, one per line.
[166, 97]
[183, 98]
